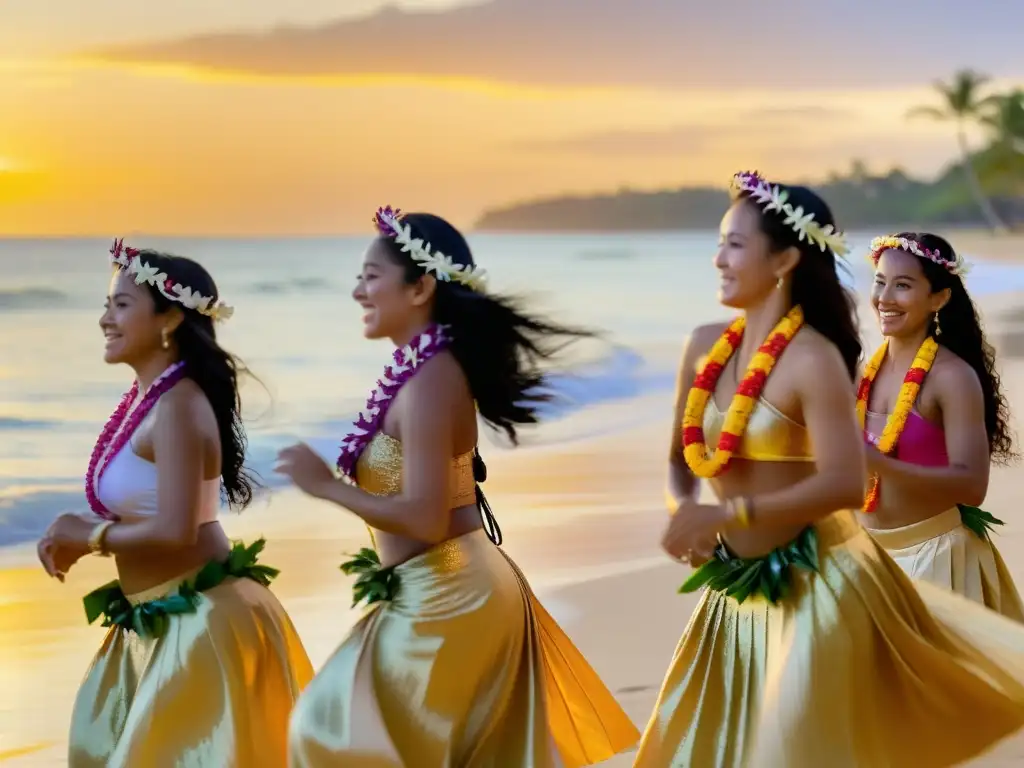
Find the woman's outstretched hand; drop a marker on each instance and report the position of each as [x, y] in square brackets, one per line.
[304, 467]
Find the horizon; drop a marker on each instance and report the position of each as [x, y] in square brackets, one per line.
[260, 121]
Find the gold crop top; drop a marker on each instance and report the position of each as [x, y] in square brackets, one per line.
[379, 471]
[770, 434]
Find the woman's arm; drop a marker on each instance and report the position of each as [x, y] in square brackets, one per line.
[179, 453]
[828, 406]
[965, 480]
[421, 510]
[683, 485]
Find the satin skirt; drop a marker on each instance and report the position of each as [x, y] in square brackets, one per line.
[856, 668]
[463, 668]
[943, 551]
[216, 689]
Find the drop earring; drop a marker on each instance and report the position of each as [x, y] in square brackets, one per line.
[938, 330]
[165, 342]
[778, 284]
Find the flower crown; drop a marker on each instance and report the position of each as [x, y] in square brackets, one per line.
[772, 198]
[388, 223]
[958, 267]
[130, 260]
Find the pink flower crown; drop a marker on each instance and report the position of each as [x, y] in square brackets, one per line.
[388, 223]
[130, 260]
[771, 197]
[958, 267]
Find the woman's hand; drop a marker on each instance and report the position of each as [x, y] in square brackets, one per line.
[304, 467]
[65, 543]
[692, 533]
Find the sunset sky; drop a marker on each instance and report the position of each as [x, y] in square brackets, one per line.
[241, 117]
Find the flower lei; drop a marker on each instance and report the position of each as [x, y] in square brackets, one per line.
[119, 430]
[130, 260]
[694, 449]
[958, 267]
[407, 360]
[897, 420]
[388, 223]
[773, 198]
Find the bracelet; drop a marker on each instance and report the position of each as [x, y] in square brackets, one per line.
[739, 509]
[97, 539]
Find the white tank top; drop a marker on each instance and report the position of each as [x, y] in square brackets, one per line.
[128, 488]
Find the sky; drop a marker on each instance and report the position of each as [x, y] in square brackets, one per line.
[260, 117]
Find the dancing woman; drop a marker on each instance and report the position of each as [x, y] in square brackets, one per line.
[935, 418]
[809, 646]
[457, 663]
[201, 665]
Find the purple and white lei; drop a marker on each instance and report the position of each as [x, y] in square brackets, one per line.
[407, 360]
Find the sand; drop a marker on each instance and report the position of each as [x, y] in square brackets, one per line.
[583, 520]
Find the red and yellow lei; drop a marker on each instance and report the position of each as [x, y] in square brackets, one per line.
[904, 404]
[694, 449]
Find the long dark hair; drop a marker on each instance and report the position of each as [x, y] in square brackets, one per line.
[213, 369]
[959, 330]
[828, 306]
[502, 350]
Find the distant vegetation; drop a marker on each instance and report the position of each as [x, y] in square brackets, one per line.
[982, 188]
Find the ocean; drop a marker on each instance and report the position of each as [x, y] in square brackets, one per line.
[297, 328]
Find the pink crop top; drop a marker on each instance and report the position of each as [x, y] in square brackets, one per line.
[922, 442]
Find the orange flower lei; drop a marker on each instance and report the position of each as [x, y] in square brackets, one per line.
[694, 449]
[904, 405]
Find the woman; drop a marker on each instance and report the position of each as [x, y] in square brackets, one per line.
[201, 665]
[930, 401]
[457, 663]
[809, 646]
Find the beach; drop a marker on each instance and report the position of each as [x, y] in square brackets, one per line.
[581, 507]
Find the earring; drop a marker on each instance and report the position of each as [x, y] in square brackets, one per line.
[165, 342]
[778, 284]
[938, 330]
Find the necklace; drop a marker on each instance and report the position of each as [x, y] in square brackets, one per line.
[749, 390]
[897, 420]
[407, 360]
[119, 430]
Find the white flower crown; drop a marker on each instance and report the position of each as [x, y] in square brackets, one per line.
[130, 260]
[959, 266]
[773, 198]
[388, 223]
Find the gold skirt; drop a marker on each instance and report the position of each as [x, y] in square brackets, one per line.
[216, 689]
[463, 668]
[943, 551]
[854, 668]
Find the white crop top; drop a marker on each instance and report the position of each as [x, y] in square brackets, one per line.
[128, 488]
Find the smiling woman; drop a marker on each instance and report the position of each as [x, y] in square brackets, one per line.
[189, 610]
[932, 404]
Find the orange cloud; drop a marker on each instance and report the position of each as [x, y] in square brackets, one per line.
[635, 44]
[117, 152]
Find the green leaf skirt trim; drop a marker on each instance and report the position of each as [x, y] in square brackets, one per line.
[150, 619]
[769, 575]
[375, 584]
[978, 521]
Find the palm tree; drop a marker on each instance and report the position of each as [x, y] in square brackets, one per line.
[1002, 166]
[1005, 119]
[962, 101]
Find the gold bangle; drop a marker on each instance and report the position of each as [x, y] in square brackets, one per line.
[743, 511]
[98, 538]
[739, 511]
